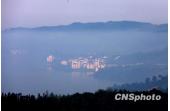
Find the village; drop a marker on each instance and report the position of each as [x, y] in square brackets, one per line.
[88, 63]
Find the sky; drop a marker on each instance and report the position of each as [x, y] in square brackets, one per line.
[35, 13]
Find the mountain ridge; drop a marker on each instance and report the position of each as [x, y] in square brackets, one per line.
[110, 25]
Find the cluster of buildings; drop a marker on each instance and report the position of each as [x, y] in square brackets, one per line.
[86, 63]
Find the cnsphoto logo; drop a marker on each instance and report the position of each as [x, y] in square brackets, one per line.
[137, 97]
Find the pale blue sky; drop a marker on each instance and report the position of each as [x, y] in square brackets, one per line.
[34, 13]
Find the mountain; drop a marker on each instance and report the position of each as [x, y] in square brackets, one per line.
[107, 26]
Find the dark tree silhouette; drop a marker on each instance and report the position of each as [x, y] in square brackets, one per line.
[102, 100]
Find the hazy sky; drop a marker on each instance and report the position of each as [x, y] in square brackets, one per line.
[33, 13]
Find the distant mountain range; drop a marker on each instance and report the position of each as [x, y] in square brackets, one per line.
[108, 26]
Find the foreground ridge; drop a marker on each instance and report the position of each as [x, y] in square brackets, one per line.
[102, 100]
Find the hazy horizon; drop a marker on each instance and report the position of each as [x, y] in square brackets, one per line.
[31, 13]
[82, 23]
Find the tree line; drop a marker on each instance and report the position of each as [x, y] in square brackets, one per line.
[101, 100]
